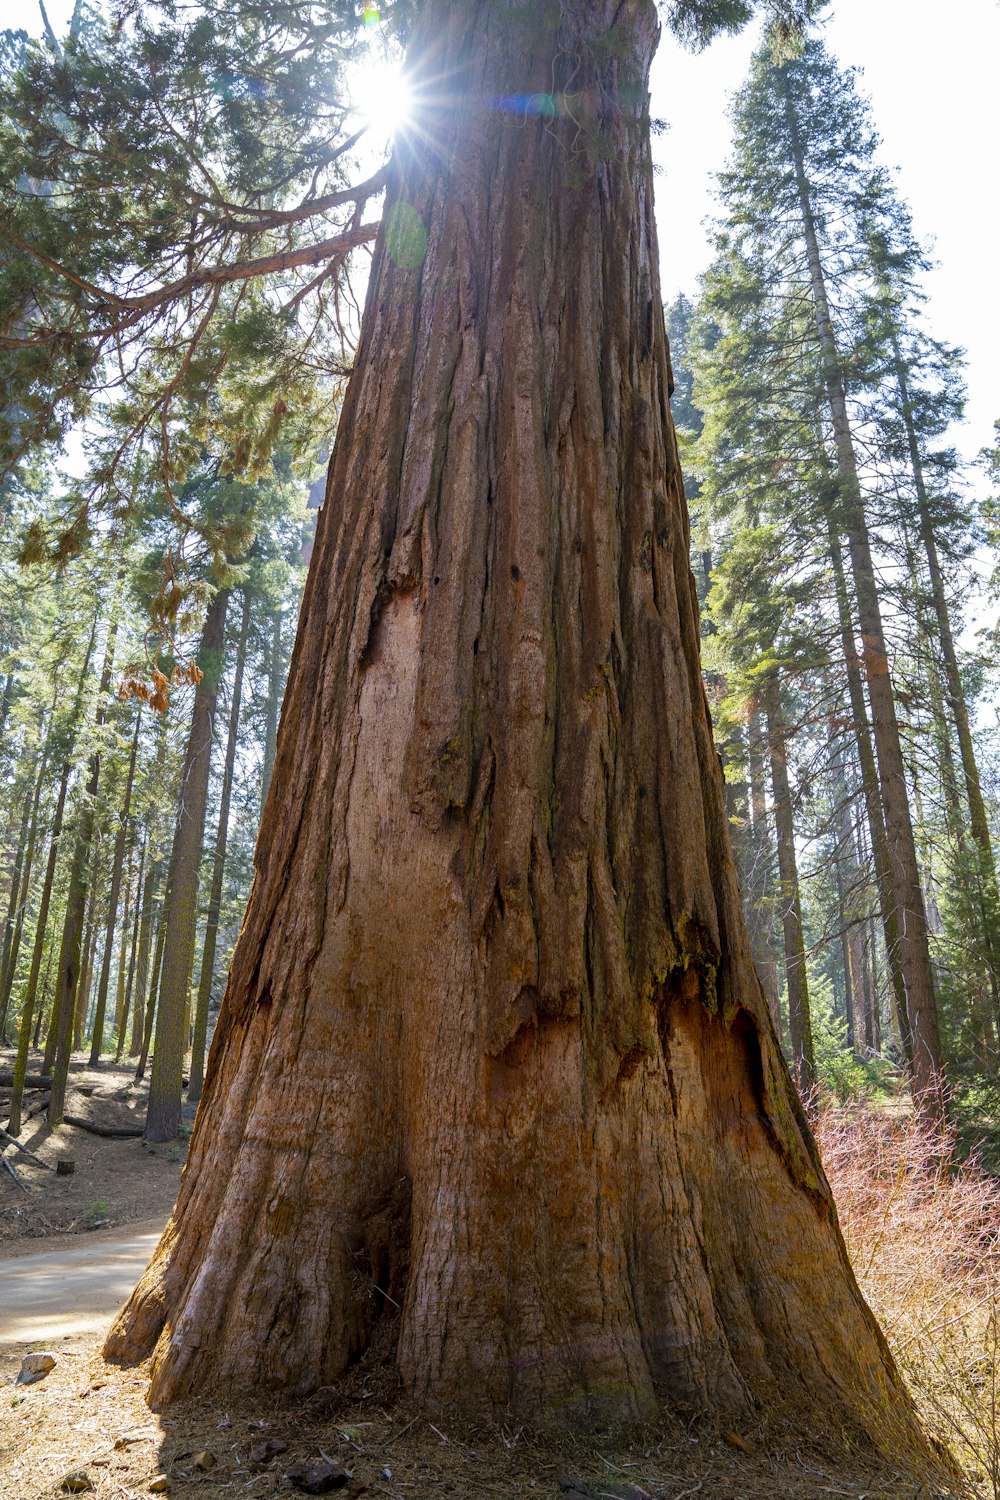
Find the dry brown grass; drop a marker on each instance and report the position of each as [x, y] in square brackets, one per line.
[923, 1234]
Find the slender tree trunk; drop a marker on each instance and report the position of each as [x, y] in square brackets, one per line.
[955, 822]
[737, 797]
[154, 990]
[46, 989]
[127, 1008]
[922, 837]
[989, 895]
[274, 676]
[15, 885]
[59, 1043]
[95, 922]
[28, 1017]
[913, 947]
[180, 915]
[86, 979]
[139, 1040]
[971, 907]
[68, 973]
[41, 923]
[849, 876]
[925, 653]
[759, 888]
[871, 1018]
[126, 923]
[846, 957]
[872, 798]
[118, 860]
[51, 1029]
[849, 882]
[142, 959]
[197, 1071]
[494, 1062]
[20, 888]
[5, 700]
[799, 1017]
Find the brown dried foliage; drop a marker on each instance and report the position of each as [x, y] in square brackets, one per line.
[156, 692]
[923, 1233]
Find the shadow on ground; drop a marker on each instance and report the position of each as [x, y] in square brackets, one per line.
[90, 1420]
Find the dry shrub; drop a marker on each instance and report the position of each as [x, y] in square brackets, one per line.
[923, 1233]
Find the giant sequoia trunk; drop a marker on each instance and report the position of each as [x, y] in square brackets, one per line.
[493, 1063]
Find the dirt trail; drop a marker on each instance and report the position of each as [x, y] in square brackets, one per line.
[65, 1289]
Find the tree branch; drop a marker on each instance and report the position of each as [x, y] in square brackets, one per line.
[134, 308]
[60, 270]
[307, 209]
[243, 270]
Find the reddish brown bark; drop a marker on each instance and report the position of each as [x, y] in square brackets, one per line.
[493, 1061]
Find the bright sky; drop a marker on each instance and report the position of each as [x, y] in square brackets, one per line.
[931, 77]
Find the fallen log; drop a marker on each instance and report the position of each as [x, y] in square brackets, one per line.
[110, 1132]
[10, 1168]
[32, 1081]
[11, 1140]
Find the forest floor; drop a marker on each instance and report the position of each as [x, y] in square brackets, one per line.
[114, 1182]
[87, 1428]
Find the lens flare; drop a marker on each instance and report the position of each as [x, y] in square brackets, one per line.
[381, 97]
